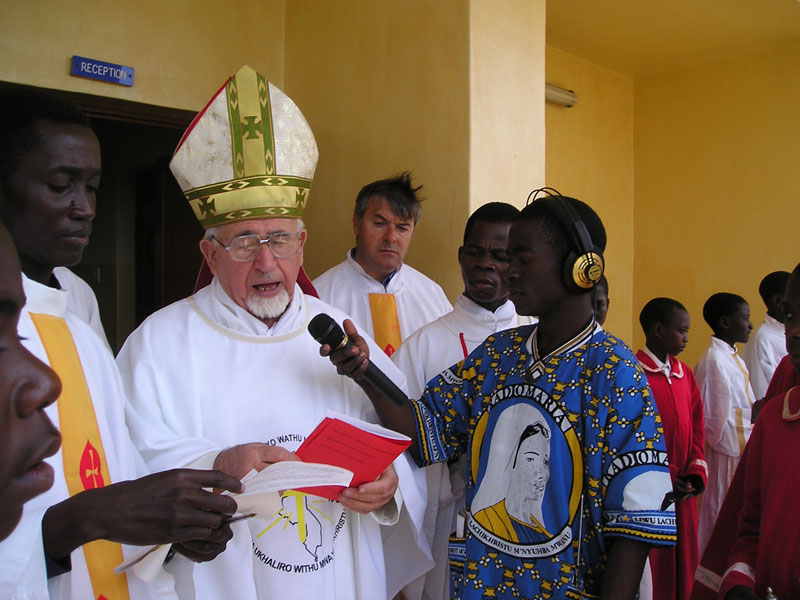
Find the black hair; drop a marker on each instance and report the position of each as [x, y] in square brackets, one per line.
[719, 305]
[774, 283]
[400, 193]
[557, 234]
[659, 310]
[21, 109]
[492, 212]
[537, 428]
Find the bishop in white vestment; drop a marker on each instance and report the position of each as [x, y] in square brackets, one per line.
[234, 363]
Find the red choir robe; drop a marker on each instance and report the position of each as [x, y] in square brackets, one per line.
[681, 408]
[767, 545]
[714, 561]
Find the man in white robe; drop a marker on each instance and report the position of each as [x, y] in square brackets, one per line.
[389, 299]
[767, 345]
[235, 363]
[48, 180]
[727, 402]
[483, 309]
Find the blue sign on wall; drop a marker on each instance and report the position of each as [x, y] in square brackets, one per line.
[97, 69]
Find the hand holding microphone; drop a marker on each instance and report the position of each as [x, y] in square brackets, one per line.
[349, 362]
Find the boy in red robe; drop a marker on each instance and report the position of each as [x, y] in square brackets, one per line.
[768, 533]
[666, 326]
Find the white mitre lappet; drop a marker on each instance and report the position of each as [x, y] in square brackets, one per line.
[249, 154]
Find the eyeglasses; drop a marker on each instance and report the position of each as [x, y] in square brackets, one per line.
[244, 248]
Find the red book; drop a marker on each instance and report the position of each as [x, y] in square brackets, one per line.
[364, 448]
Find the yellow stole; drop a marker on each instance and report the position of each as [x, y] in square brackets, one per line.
[385, 322]
[85, 465]
[738, 411]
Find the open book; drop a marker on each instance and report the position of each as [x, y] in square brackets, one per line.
[260, 498]
[364, 448]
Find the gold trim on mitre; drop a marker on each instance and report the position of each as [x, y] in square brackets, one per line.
[249, 154]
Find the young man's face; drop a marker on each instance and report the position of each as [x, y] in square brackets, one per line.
[739, 325]
[263, 280]
[534, 271]
[674, 334]
[484, 260]
[382, 238]
[791, 312]
[48, 203]
[26, 386]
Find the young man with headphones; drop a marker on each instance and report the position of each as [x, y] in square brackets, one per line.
[567, 464]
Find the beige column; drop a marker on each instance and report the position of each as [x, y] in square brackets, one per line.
[507, 127]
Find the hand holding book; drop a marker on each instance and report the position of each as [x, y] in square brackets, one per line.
[364, 448]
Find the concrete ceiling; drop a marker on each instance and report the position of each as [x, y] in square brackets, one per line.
[645, 37]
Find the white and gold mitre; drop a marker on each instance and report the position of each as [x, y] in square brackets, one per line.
[249, 154]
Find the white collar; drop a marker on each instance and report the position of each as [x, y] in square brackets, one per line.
[581, 339]
[722, 344]
[395, 283]
[537, 367]
[226, 312]
[773, 323]
[43, 299]
[662, 366]
[505, 312]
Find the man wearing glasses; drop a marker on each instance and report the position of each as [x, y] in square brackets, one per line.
[234, 363]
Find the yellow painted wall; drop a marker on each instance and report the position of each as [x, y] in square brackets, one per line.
[590, 157]
[385, 87]
[717, 181]
[507, 143]
[181, 50]
[421, 86]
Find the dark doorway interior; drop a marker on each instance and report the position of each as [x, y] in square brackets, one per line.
[143, 252]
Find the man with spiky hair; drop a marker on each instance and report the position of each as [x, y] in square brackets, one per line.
[387, 297]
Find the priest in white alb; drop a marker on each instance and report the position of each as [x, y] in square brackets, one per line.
[69, 538]
[234, 363]
[387, 298]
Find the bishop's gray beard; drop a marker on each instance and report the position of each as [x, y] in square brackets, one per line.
[268, 308]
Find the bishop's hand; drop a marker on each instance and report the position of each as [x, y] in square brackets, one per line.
[371, 496]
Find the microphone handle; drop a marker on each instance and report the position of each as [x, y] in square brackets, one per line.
[378, 379]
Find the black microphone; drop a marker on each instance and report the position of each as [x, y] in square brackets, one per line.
[326, 331]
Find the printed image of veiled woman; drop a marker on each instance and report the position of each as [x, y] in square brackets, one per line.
[510, 500]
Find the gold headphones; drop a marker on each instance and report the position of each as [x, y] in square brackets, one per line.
[583, 267]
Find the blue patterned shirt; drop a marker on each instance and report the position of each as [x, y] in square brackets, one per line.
[563, 450]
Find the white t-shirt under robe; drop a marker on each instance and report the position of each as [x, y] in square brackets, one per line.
[81, 300]
[108, 399]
